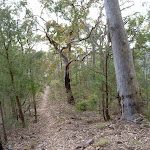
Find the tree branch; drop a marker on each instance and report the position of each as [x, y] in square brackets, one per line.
[127, 7]
[80, 60]
[55, 44]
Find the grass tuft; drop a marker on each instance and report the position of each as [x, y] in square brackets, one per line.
[102, 142]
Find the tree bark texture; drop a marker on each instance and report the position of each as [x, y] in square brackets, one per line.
[35, 110]
[70, 98]
[127, 85]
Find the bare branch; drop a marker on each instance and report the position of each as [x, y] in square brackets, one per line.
[55, 44]
[82, 39]
[39, 17]
[127, 7]
[129, 1]
[79, 40]
[79, 60]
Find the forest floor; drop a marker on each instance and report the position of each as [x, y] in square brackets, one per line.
[61, 127]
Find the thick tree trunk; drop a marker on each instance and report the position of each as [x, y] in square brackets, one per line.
[70, 98]
[127, 84]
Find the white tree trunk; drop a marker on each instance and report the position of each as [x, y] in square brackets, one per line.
[127, 84]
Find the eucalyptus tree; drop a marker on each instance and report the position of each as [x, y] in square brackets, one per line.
[127, 84]
[65, 37]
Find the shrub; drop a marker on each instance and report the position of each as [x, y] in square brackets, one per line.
[82, 106]
[102, 142]
[92, 103]
[147, 114]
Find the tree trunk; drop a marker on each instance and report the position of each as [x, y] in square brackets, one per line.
[3, 122]
[35, 110]
[20, 111]
[103, 102]
[106, 84]
[14, 90]
[1, 146]
[70, 98]
[127, 84]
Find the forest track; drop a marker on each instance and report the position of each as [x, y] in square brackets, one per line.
[61, 127]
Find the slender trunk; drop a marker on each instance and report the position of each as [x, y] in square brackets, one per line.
[93, 55]
[13, 85]
[146, 81]
[102, 90]
[35, 110]
[103, 102]
[127, 84]
[3, 122]
[61, 64]
[106, 84]
[20, 111]
[13, 107]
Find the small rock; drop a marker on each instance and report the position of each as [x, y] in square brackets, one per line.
[69, 122]
[9, 147]
[138, 120]
[131, 148]
[119, 142]
[73, 118]
[59, 129]
[147, 125]
[34, 121]
[97, 148]
[78, 147]
[142, 125]
[89, 142]
[111, 126]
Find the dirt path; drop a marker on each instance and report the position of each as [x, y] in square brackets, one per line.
[61, 127]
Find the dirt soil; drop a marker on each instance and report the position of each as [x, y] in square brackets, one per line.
[61, 127]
